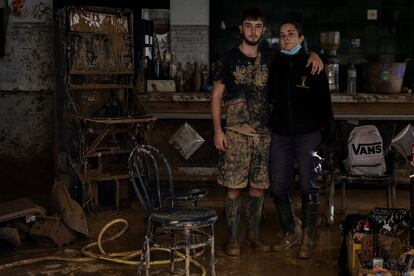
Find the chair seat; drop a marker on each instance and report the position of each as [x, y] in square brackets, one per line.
[369, 179]
[185, 193]
[179, 217]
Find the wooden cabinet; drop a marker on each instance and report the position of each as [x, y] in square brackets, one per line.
[98, 119]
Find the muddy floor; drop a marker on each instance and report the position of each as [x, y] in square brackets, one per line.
[323, 263]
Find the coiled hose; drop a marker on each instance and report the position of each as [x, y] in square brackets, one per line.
[117, 257]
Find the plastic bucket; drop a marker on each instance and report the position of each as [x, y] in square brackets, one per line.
[385, 77]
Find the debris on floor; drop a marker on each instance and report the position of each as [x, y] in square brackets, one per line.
[22, 217]
[16, 217]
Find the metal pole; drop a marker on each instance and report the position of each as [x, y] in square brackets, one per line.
[412, 208]
[187, 249]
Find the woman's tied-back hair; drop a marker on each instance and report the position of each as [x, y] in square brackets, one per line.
[297, 26]
[252, 13]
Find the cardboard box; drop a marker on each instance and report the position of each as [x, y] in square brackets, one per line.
[354, 265]
[353, 250]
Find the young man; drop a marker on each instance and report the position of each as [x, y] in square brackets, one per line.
[243, 72]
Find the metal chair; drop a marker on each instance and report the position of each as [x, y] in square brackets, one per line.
[185, 194]
[162, 214]
[340, 177]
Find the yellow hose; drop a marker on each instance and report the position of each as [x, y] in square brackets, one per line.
[118, 257]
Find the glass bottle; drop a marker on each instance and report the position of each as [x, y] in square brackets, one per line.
[179, 78]
[188, 77]
[204, 76]
[173, 67]
[197, 77]
[157, 65]
[352, 79]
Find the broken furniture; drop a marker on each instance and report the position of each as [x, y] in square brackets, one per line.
[51, 231]
[195, 224]
[66, 222]
[99, 119]
[15, 217]
[68, 209]
[22, 216]
[104, 153]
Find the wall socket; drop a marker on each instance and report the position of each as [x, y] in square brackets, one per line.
[372, 14]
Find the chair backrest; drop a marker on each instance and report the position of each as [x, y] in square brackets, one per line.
[144, 165]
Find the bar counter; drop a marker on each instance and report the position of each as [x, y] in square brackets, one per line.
[364, 106]
[175, 109]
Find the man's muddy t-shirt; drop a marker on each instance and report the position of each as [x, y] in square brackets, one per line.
[245, 79]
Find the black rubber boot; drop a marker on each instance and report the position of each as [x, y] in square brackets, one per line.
[254, 217]
[232, 211]
[287, 220]
[310, 209]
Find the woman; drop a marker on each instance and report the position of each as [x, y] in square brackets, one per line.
[301, 120]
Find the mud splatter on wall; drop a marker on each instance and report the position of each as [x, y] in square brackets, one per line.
[91, 22]
[190, 30]
[99, 43]
[27, 87]
[28, 63]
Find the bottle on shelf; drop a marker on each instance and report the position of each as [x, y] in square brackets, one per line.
[165, 74]
[141, 76]
[197, 77]
[173, 67]
[149, 68]
[352, 79]
[188, 77]
[204, 75]
[179, 78]
[157, 65]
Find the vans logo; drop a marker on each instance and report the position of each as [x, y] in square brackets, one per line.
[372, 148]
[365, 151]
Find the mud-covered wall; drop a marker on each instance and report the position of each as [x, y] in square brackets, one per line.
[190, 21]
[27, 87]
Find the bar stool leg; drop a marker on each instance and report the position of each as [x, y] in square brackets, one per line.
[187, 250]
[147, 258]
[212, 255]
[172, 254]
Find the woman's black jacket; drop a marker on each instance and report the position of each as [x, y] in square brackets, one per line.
[300, 102]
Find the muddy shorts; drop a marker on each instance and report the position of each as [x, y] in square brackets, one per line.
[245, 161]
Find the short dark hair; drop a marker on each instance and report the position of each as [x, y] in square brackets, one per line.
[297, 26]
[252, 13]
